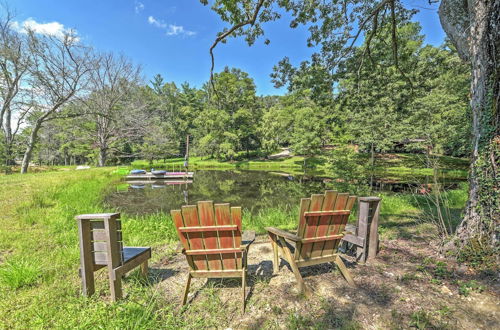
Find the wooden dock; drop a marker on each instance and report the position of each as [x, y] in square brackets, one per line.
[167, 176]
[159, 182]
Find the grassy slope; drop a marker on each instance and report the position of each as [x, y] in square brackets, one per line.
[39, 256]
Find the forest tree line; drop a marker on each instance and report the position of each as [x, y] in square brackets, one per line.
[63, 103]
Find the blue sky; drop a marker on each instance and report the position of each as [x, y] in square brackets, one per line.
[172, 37]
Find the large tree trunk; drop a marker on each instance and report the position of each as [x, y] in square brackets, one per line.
[474, 27]
[103, 155]
[29, 148]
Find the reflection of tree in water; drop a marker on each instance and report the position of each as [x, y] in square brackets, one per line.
[252, 190]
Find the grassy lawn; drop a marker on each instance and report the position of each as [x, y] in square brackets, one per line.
[39, 256]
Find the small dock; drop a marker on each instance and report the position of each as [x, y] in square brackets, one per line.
[159, 182]
[167, 176]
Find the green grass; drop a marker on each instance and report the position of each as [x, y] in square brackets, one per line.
[39, 254]
[19, 273]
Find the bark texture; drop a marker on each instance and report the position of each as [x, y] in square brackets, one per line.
[474, 27]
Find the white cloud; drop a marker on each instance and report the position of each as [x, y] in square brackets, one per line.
[54, 29]
[171, 29]
[174, 30]
[158, 23]
[139, 6]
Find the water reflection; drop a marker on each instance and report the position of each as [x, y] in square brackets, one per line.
[252, 190]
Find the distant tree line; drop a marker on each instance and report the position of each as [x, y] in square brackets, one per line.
[64, 103]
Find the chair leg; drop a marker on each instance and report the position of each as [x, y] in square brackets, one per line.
[144, 269]
[186, 289]
[276, 260]
[345, 272]
[87, 276]
[293, 265]
[243, 287]
[115, 286]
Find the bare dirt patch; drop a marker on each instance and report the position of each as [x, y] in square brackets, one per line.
[408, 285]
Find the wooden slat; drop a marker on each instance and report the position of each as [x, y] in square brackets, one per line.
[304, 207]
[208, 228]
[212, 251]
[114, 248]
[324, 221]
[195, 240]
[179, 222]
[100, 235]
[316, 261]
[337, 227]
[217, 273]
[350, 203]
[322, 213]
[236, 220]
[100, 246]
[97, 216]
[101, 258]
[96, 225]
[322, 238]
[210, 239]
[226, 239]
[341, 201]
[311, 225]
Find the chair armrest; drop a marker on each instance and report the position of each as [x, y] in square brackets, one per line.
[247, 238]
[283, 233]
[345, 232]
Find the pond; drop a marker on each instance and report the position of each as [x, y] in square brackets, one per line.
[252, 190]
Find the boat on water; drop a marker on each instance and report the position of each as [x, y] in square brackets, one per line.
[166, 175]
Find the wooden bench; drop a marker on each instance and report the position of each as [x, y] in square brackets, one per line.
[322, 219]
[101, 246]
[211, 238]
[364, 236]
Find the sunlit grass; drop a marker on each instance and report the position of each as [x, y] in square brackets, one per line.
[39, 254]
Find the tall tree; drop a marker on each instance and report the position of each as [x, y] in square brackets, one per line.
[112, 79]
[58, 73]
[471, 25]
[14, 97]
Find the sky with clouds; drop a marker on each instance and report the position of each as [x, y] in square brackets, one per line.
[172, 37]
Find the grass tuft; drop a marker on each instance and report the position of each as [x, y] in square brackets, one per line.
[19, 273]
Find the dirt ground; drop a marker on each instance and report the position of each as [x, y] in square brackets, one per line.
[407, 286]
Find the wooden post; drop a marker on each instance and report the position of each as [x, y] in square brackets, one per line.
[367, 227]
[186, 157]
[374, 216]
[86, 262]
[115, 282]
[362, 229]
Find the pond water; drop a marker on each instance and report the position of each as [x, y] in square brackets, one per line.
[252, 190]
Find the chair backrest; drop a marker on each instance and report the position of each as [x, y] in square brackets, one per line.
[101, 236]
[322, 219]
[210, 235]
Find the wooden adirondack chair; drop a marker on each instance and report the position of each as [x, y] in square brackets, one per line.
[101, 246]
[322, 219]
[212, 242]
